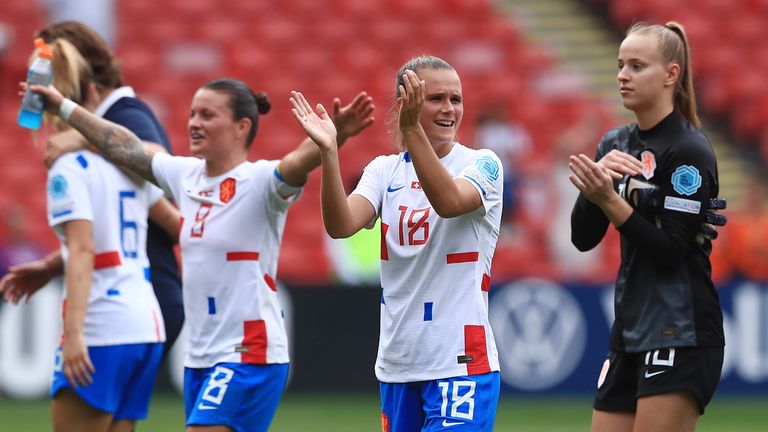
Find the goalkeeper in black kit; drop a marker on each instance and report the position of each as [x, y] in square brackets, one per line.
[656, 181]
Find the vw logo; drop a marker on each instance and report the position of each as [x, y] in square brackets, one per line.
[540, 332]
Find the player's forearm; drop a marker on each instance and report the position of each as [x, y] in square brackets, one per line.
[115, 142]
[616, 210]
[436, 182]
[337, 216]
[296, 165]
[54, 264]
[79, 275]
[588, 224]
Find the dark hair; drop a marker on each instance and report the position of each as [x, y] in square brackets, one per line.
[415, 64]
[94, 49]
[674, 48]
[242, 101]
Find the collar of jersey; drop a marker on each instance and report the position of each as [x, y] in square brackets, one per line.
[114, 96]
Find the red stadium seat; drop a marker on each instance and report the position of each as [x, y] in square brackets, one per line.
[267, 44]
[279, 32]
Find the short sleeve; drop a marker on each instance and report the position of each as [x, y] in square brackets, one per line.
[281, 193]
[485, 173]
[67, 194]
[154, 193]
[370, 184]
[168, 171]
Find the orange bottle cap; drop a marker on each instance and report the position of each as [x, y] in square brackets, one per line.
[44, 50]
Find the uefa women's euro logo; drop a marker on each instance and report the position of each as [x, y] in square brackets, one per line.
[488, 167]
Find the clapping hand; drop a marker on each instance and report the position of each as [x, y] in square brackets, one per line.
[411, 99]
[353, 118]
[619, 164]
[318, 125]
[593, 180]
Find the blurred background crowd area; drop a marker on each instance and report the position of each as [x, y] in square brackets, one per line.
[539, 82]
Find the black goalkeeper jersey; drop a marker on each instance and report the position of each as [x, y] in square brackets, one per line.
[664, 292]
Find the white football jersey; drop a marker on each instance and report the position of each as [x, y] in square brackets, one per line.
[435, 272]
[122, 308]
[230, 240]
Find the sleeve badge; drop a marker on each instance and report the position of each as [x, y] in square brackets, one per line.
[686, 180]
[57, 187]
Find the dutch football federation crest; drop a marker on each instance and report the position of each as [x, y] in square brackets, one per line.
[227, 189]
[649, 164]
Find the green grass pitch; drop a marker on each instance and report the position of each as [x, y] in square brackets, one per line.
[360, 413]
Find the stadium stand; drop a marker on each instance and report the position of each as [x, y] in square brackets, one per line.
[337, 48]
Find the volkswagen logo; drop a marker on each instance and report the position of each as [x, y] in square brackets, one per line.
[540, 331]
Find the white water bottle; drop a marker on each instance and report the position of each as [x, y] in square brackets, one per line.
[40, 72]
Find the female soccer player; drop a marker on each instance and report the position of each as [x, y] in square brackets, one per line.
[440, 209]
[666, 349]
[113, 329]
[118, 103]
[233, 218]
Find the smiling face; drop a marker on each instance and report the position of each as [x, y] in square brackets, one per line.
[443, 106]
[644, 77]
[212, 128]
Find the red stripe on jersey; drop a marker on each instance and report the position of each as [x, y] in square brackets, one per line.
[242, 256]
[384, 422]
[106, 260]
[157, 325]
[475, 345]
[486, 284]
[270, 283]
[181, 224]
[463, 257]
[255, 342]
[384, 252]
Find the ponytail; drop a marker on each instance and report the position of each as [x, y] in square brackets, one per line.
[262, 102]
[71, 75]
[243, 102]
[674, 47]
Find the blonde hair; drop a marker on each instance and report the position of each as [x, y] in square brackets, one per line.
[71, 75]
[415, 64]
[674, 47]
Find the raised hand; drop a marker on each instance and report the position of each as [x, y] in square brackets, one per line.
[353, 118]
[24, 280]
[52, 96]
[318, 125]
[411, 100]
[619, 164]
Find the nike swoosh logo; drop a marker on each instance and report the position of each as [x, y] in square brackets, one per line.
[389, 188]
[446, 423]
[200, 406]
[653, 374]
